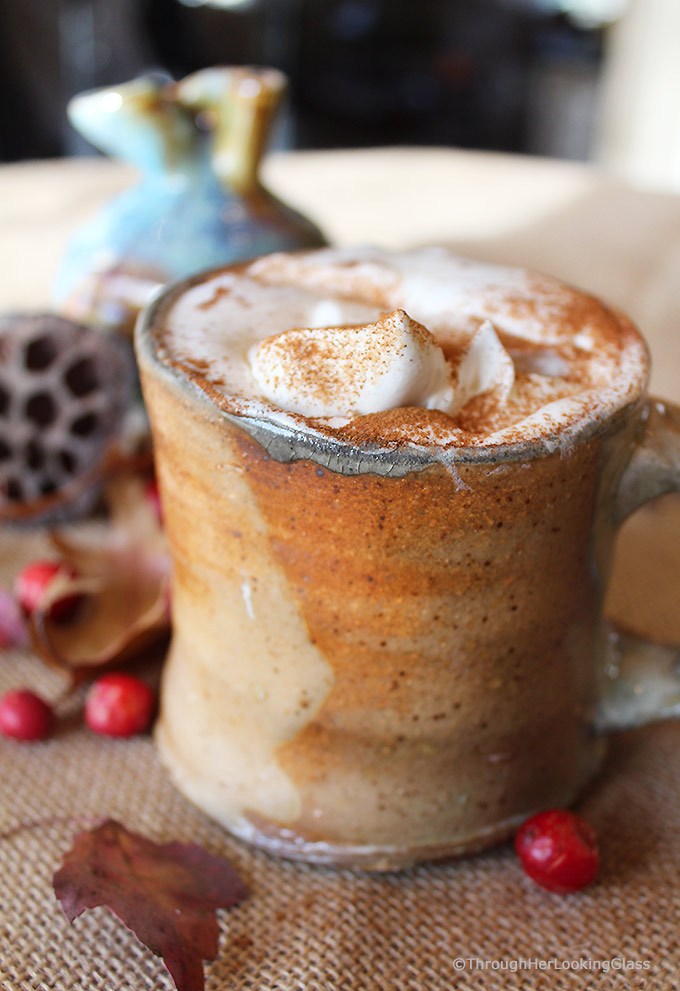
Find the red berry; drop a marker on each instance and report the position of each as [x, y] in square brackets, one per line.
[558, 850]
[119, 705]
[33, 581]
[24, 716]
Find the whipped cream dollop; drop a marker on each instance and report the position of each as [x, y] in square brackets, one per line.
[348, 371]
[485, 367]
[354, 341]
[355, 370]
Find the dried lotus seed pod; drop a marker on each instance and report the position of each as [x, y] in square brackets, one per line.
[64, 390]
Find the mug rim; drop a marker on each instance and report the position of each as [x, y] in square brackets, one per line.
[286, 443]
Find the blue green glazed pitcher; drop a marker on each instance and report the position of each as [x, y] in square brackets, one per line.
[200, 204]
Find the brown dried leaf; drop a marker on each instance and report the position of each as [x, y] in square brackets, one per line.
[123, 579]
[166, 894]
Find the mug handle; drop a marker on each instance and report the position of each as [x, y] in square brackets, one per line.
[641, 680]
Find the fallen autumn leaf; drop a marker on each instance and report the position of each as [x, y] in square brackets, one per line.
[166, 894]
[123, 582]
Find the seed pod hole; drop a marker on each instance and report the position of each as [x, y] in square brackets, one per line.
[82, 378]
[68, 462]
[4, 401]
[41, 409]
[84, 425]
[13, 490]
[35, 456]
[40, 354]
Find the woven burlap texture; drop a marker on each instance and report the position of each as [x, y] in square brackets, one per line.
[317, 929]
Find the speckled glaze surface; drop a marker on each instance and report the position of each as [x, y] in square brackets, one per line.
[379, 656]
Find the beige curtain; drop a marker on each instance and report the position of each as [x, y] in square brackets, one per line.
[638, 136]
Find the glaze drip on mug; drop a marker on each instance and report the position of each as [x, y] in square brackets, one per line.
[495, 354]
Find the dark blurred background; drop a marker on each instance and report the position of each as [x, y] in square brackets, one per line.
[506, 75]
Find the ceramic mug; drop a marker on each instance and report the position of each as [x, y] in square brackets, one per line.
[381, 657]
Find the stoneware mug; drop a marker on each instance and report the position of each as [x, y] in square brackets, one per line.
[386, 656]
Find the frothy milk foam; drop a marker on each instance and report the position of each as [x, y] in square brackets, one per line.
[336, 337]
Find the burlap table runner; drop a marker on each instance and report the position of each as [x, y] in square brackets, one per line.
[463, 924]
